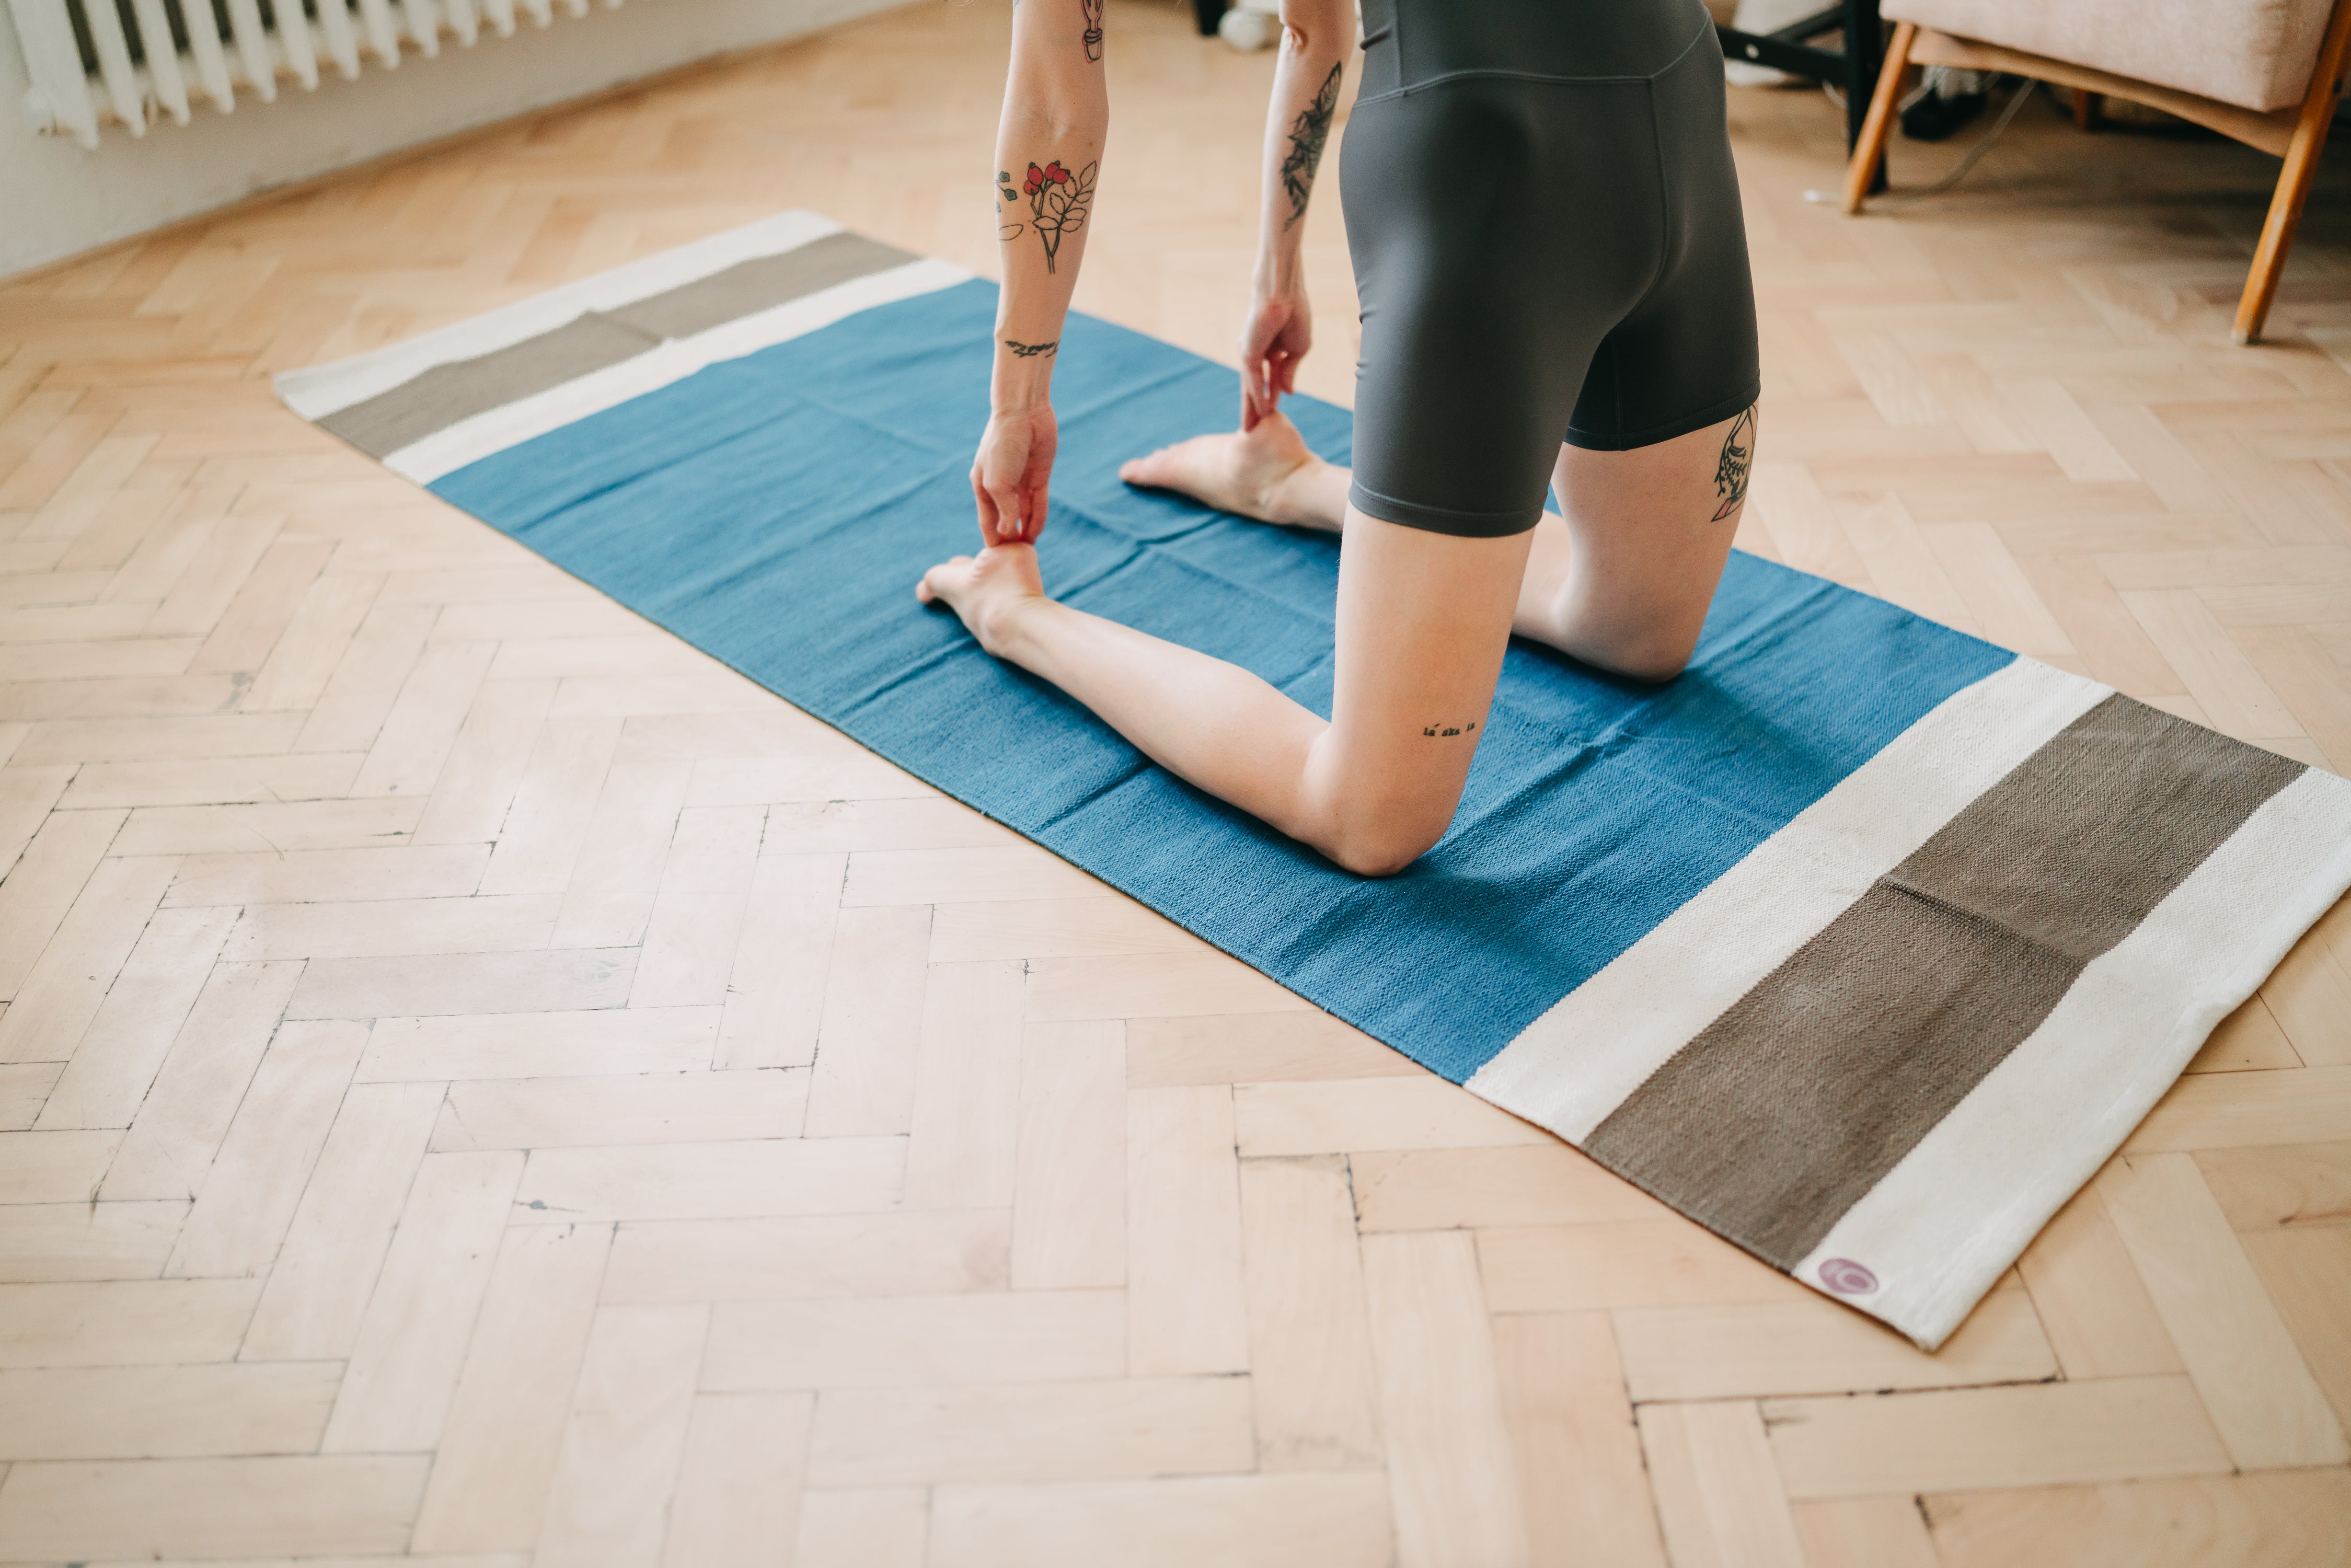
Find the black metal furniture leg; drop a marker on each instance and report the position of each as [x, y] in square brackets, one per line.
[1865, 55]
[1851, 67]
[1213, 12]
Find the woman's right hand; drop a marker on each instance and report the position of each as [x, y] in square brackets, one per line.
[1276, 335]
[1010, 472]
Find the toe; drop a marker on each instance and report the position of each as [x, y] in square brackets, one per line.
[1156, 469]
[939, 582]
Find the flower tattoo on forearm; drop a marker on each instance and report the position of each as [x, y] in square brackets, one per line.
[1094, 35]
[1308, 133]
[1731, 468]
[1058, 203]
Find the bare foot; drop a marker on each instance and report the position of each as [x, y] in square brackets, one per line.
[1250, 473]
[989, 590]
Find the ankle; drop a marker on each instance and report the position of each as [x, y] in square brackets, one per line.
[1292, 500]
[1003, 623]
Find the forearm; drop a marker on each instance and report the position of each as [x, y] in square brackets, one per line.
[1316, 39]
[1049, 148]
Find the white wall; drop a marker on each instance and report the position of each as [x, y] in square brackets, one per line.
[57, 200]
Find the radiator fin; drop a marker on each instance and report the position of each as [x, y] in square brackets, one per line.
[135, 61]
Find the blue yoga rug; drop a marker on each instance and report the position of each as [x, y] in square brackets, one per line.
[1863, 941]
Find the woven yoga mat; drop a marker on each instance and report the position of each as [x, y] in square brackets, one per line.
[1864, 943]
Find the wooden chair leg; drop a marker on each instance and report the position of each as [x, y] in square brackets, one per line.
[1871, 147]
[2087, 107]
[2294, 180]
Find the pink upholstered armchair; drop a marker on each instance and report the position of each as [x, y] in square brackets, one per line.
[2266, 72]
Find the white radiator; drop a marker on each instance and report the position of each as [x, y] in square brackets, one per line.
[131, 60]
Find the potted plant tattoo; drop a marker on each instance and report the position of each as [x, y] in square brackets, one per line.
[1058, 201]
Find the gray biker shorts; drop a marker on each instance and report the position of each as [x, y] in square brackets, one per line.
[1545, 224]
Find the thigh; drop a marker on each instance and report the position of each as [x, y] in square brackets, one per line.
[1687, 356]
[1648, 533]
[1423, 620]
[1498, 229]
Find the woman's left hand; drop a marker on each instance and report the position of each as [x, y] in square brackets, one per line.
[1010, 472]
[1276, 335]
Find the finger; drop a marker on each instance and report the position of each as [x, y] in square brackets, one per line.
[1006, 504]
[987, 505]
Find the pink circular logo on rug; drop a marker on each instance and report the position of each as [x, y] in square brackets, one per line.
[1847, 1278]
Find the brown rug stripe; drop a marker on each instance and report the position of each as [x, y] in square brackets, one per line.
[444, 395]
[1816, 1084]
[756, 285]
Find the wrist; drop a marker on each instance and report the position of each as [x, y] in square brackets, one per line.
[1020, 383]
[1278, 275]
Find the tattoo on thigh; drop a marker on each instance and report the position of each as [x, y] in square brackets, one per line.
[1308, 133]
[1058, 203]
[1030, 350]
[1442, 730]
[1093, 34]
[1731, 468]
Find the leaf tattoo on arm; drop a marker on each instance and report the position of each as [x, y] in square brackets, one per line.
[1308, 133]
[1094, 35]
[1731, 468]
[1058, 203]
[1005, 193]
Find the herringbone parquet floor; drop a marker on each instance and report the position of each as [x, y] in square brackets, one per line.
[491, 1087]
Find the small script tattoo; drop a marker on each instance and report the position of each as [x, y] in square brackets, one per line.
[1441, 730]
[1058, 203]
[1731, 468]
[1308, 133]
[1030, 350]
[1093, 34]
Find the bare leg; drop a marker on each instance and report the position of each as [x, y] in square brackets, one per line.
[1622, 582]
[1423, 620]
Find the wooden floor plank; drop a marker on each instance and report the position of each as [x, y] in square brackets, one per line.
[621, 1119]
[2236, 1348]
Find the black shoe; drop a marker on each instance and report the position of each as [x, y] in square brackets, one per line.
[1934, 116]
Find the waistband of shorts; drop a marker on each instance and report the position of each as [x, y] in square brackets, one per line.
[1537, 79]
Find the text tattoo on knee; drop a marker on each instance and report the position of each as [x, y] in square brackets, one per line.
[1308, 133]
[1445, 729]
[1058, 203]
[1731, 468]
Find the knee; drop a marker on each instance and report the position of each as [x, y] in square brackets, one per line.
[1639, 644]
[1649, 652]
[1383, 844]
[1659, 662]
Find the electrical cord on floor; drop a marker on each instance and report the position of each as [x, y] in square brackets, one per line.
[1916, 94]
[2024, 86]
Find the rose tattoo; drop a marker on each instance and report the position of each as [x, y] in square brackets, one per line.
[1057, 202]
